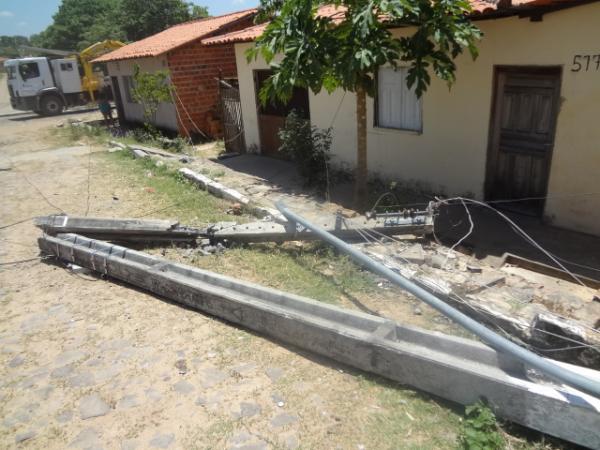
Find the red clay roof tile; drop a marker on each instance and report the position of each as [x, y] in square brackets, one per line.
[174, 37]
[480, 8]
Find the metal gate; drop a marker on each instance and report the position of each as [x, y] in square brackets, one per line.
[231, 113]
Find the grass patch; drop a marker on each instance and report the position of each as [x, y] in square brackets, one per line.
[312, 270]
[172, 194]
[408, 417]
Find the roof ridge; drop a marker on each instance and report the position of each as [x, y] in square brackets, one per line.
[203, 19]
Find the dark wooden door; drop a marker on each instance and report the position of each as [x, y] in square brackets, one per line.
[522, 137]
[231, 113]
[271, 116]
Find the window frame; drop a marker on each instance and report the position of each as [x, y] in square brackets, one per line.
[376, 119]
[31, 63]
[66, 67]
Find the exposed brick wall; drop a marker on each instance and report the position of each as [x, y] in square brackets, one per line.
[194, 69]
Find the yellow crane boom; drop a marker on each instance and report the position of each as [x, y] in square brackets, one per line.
[90, 82]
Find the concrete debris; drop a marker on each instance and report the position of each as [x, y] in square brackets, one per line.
[456, 369]
[219, 190]
[155, 152]
[516, 300]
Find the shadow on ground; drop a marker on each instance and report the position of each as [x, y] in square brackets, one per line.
[492, 235]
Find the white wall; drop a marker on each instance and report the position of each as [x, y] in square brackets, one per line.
[450, 154]
[166, 116]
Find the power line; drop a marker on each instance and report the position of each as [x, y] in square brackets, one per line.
[522, 233]
[16, 223]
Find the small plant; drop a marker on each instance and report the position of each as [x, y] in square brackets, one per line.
[479, 429]
[150, 90]
[309, 147]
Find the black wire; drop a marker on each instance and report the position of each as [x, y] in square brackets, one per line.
[12, 263]
[16, 223]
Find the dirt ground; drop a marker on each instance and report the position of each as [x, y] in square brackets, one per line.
[89, 364]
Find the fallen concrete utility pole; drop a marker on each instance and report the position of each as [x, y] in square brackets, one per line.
[419, 224]
[136, 230]
[120, 230]
[496, 341]
[457, 369]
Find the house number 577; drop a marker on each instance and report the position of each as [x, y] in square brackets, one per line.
[585, 63]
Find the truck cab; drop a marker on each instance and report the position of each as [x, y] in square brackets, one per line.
[44, 86]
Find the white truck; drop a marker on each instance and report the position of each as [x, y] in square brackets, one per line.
[46, 86]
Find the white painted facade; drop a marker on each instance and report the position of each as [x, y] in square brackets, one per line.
[449, 153]
[166, 116]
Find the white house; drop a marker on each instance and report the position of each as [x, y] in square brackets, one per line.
[522, 121]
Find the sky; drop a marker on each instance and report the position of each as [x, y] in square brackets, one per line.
[26, 17]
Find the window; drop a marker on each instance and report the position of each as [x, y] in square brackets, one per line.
[12, 72]
[129, 86]
[29, 70]
[397, 106]
[66, 67]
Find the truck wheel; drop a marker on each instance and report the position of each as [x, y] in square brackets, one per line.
[51, 105]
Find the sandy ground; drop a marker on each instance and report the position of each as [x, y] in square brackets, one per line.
[90, 364]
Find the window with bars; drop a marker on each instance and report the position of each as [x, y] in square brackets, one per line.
[397, 106]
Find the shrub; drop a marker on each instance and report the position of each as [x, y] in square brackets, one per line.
[479, 429]
[309, 147]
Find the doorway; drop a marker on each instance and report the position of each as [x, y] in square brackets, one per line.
[271, 117]
[118, 99]
[523, 123]
[231, 116]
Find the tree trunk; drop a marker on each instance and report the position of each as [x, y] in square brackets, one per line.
[360, 182]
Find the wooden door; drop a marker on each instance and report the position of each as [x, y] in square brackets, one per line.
[522, 137]
[271, 117]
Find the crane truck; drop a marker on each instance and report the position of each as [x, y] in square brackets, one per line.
[49, 85]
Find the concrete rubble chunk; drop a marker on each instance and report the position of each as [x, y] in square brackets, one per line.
[274, 373]
[184, 387]
[20, 437]
[93, 406]
[162, 440]
[87, 438]
[414, 254]
[249, 409]
[283, 419]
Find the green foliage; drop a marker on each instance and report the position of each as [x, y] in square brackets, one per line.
[80, 23]
[198, 12]
[150, 90]
[318, 53]
[142, 18]
[9, 45]
[309, 148]
[479, 429]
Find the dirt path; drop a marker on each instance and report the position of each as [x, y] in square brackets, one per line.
[86, 363]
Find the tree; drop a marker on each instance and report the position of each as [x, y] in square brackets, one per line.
[78, 23]
[142, 18]
[198, 12]
[150, 90]
[9, 45]
[318, 52]
[81, 23]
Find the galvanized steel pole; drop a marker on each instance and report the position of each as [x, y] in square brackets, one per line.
[494, 340]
